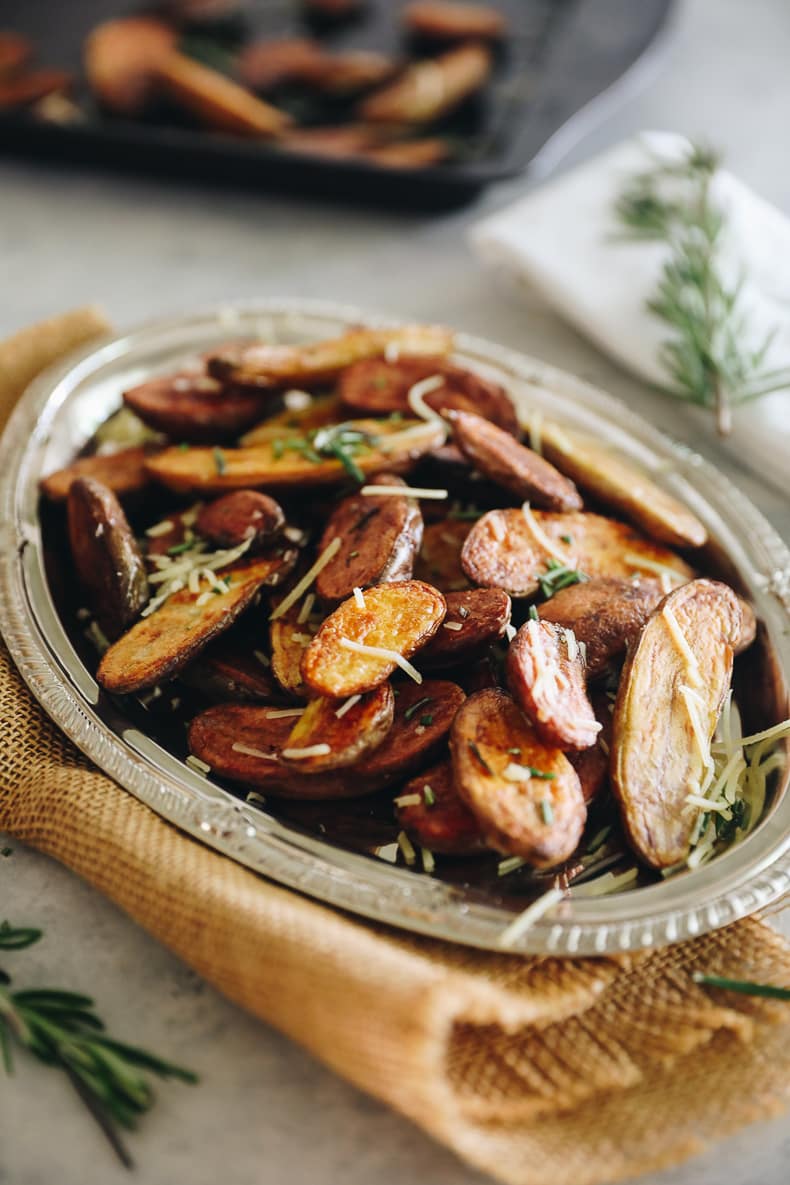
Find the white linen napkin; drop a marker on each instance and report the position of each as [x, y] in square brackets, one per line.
[562, 241]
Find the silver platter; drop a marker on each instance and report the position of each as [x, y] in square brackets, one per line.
[57, 416]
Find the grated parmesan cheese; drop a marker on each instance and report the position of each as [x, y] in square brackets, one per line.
[408, 800]
[407, 848]
[679, 638]
[329, 552]
[547, 544]
[519, 926]
[416, 397]
[305, 611]
[359, 598]
[347, 706]
[382, 652]
[249, 751]
[199, 766]
[428, 862]
[452, 625]
[283, 713]
[159, 529]
[404, 492]
[321, 750]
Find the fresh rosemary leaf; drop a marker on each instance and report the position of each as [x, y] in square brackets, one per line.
[14, 938]
[473, 749]
[744, 986]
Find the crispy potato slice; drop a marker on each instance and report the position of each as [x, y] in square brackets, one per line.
[622, 486]
[193, 407]
[320, 412]
[348, 730]
[207, 470]
[431, 87]
[503, 549]
[540, 818]
[23, 89]
[288, 639]
[409, 154]
[120, 59]
[216, 100]
[503, 460]
[229, 672]
[15, 52]
[423, 717]
[273, 367]
[475, 618]
[379, 540]
[264, 65]
[441, 821]
[671, 691]
[545, 674]
[123, 472]
[606, 614]
[439, 561]
[442, 20]
[377, 387]
[244, 514]
[107, 560]
[592, 765]
[397, 618]
[157, 647]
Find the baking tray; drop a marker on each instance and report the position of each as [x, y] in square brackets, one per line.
[563, 55]
[56, 418]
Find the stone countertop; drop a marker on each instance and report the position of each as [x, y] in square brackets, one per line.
[144, 248]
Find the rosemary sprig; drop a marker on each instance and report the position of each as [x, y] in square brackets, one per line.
[706, 356]
[343, 442]
[559, 576]
[61, 1029]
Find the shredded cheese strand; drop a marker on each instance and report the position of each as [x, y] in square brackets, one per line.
[347, 706]
[329, 552]
[404, 492]
[381, 652]
[250, 751]
[547, 544]
[680, 640]
[517, 928]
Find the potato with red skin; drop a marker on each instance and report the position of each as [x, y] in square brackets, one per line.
[656, 757]
[15, 52]
[379, 387]
[439, 561]
[25, 89]
[121, 58]
[234, 518]
[158, 646]
[441, 821]
[508, 464]
[194, 408]
[539, 818]
[431, 87]
[107, 559]
[228, 672]
[502, 550]
[606, 614]
[264, 65]
[352, 734]
[123, 472]
[548, 684]
[424, 714]
[217, 101]
[592, 765]
[380, 537]
[483, 615]
[398, 617]
[443, 20]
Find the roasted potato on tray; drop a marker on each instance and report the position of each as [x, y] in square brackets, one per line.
[430, 88]
[309, 593]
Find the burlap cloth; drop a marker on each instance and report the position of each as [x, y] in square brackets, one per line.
[538, 1071]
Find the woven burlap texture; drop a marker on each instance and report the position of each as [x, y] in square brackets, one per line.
[537, 1071]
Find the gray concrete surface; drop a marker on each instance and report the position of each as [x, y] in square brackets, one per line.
[265, 1112]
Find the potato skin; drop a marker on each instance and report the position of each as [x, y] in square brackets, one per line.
[350, 737]
[517, 469]
[120, 58]
[502, 551]
[106, 557]
[439, 561]
[193, 408]
[442, 20]
[377, 387]
[236, 517]
[123, 472]
[216, 100]
[229, 673]
[483, 615]
[289, 639]
[401, 617]
[418, 733]
[606, 614]
[510, 814]
[549, 687]
[379, 541]
[447, 826]
[157, 647]
[655, 761]
[430, 88]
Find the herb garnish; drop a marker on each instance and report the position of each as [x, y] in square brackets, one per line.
[744, 986]
[407, 715]
[428, 795]
[543, 774]
[179, 548]
[343, 442]
[476, 753]
[425, 721]
[533, 613]
[61, 1029]
[219, 460]
[470, 514]
[559, 576]
[706, 357]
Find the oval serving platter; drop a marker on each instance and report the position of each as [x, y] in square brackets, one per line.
[58, 415]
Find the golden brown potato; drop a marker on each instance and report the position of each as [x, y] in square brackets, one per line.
[475, 618]
[272, 466]
[440, 821]
[349, 72]
[545, 674]
[216, 100]
[331, 734]
[107, 560]
[439, 561]
[443, 20]
[397, 619]
[23, 89]
[15, 52]
[379, 540]
[606, 614]
[245, 514]
[319, 412]
[121, 57]
[321, 362]
[123, 472]
[671, 691]
[508, 464]
[431, 87]
[289, 638]
[193, 408]
[525, 795]
[409, 154]
[622, 486]
[377, 387]
[264, 65]
[230, 673]
[336, 141]
[157, 647]
[512, 550]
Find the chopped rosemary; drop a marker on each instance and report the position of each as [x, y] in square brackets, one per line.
[179, 548]
[353, 555]
[407, 715]
[533, 613]
[744, 986]
[559, 576]
[479, 756]
[706, 356]
[342, 442]
[219, 460]
[546, 811]
[544, 775]
[425, 721]
[470, 514]
[428, 795]
[184, 446]
[566, 539]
